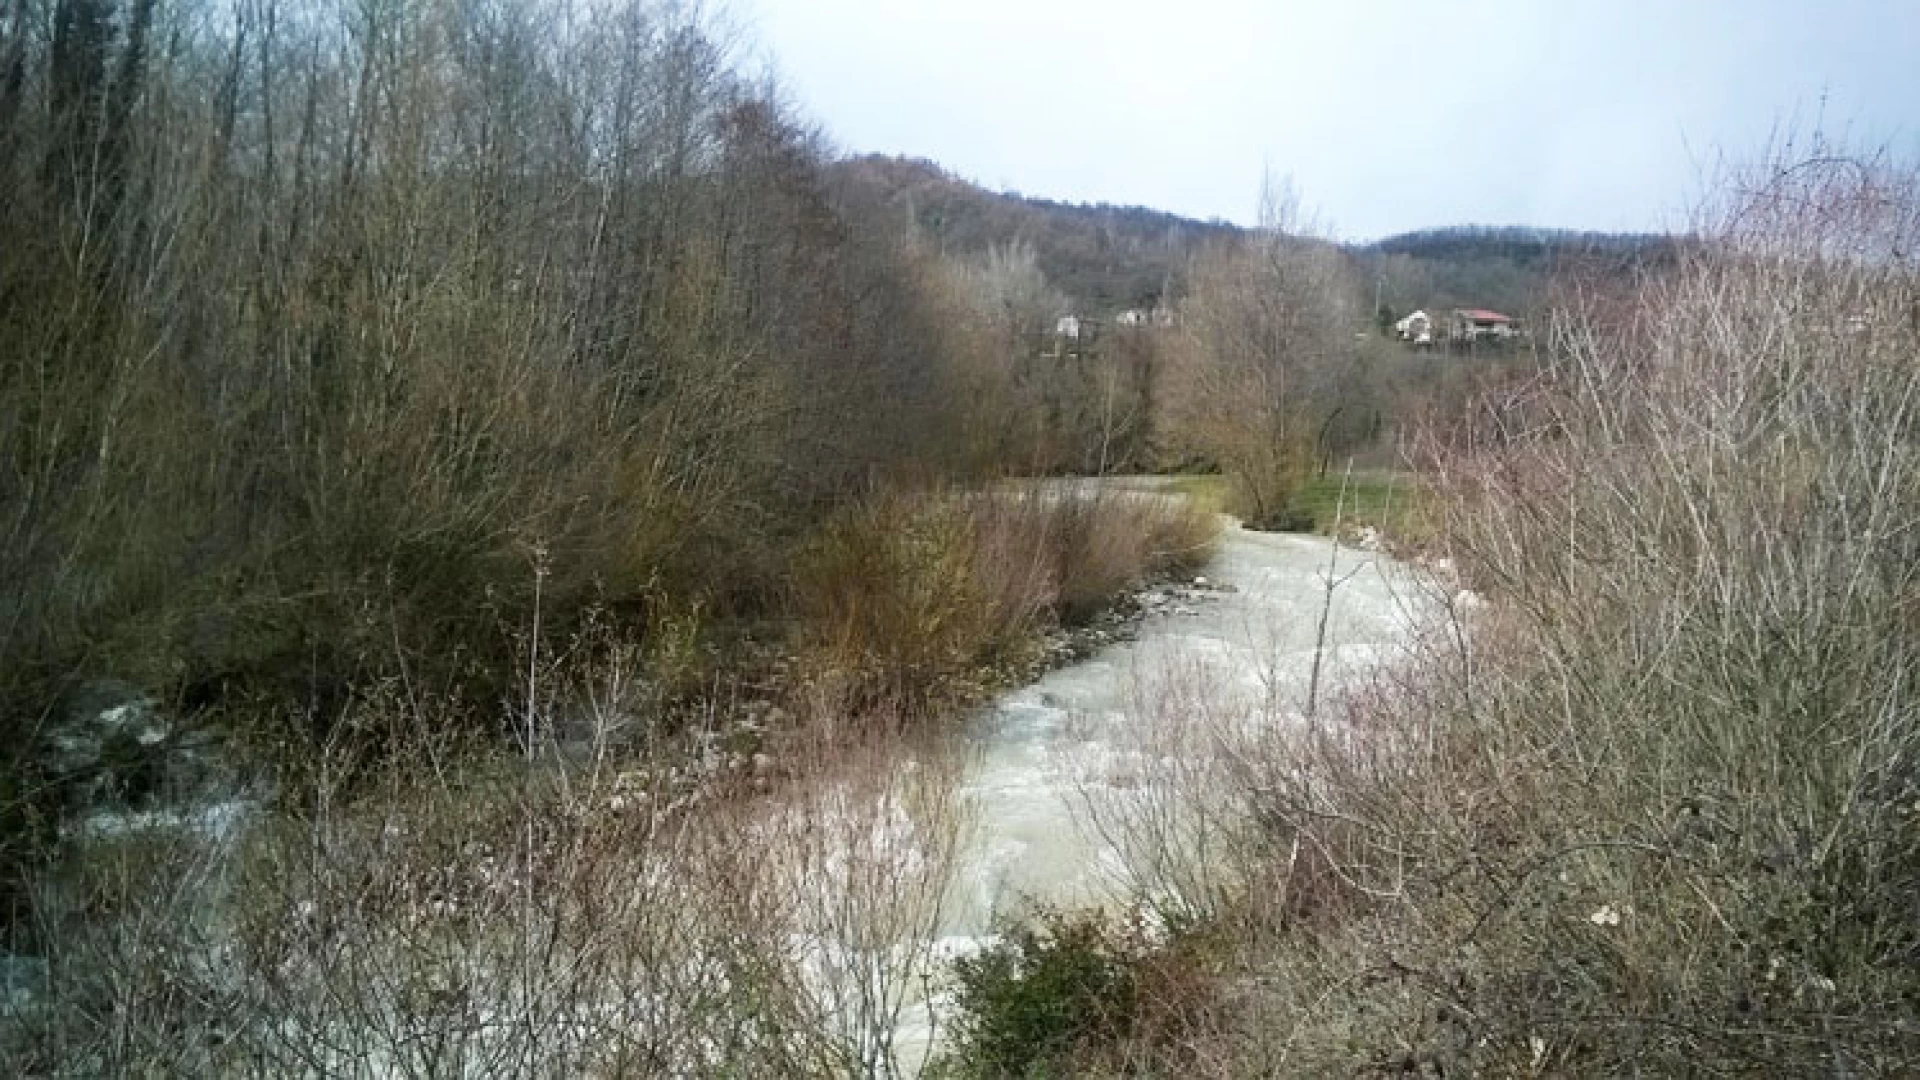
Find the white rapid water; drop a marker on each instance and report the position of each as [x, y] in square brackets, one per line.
[1040, 751]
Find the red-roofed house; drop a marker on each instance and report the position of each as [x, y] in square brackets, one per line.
[1476, 324]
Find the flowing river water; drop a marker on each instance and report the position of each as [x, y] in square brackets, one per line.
[1244, 641]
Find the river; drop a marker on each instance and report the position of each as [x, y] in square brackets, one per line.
[1243, 652]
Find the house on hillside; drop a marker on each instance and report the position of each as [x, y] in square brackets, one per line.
[1415, 329]
[1472, 325]
[1157, 317]
[1074, 336]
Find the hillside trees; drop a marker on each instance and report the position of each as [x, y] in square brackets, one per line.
[1036, 400]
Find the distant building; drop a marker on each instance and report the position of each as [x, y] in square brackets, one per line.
[1158, 316]
[1479, 324]
[1069, 326]
[1416, 329]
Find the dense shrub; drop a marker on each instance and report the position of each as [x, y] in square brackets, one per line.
[1051, 996]
[452, 910]
[389, 345]
[1691, 839]
[1025, 1003]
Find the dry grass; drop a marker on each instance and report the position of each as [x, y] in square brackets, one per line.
[611, 898]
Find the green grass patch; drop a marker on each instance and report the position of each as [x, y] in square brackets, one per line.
[1209, 491]
[1392, 501]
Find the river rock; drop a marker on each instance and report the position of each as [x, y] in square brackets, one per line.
[96, 716]
[23, 979]
[110, 740]
[112, 745]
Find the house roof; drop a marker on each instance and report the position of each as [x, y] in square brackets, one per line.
[1483, 315]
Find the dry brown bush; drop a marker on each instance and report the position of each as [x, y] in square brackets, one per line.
[914, 596]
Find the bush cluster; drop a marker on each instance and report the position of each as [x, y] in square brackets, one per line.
[1055, 995]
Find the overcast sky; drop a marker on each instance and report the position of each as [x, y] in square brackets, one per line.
[1389, 115]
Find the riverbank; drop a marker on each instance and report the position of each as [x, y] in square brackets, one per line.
[1071, 780]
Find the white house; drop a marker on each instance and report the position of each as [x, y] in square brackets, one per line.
[1068, 327]
[1416, 328]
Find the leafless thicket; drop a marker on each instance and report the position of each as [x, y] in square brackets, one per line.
[1653, 808]
[1040, 401]
[319, 316]
[320, 323]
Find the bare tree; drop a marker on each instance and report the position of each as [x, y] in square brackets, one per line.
[1264, 322]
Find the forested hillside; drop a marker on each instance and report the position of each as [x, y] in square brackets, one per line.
[1103, 258]
[1506, 269]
